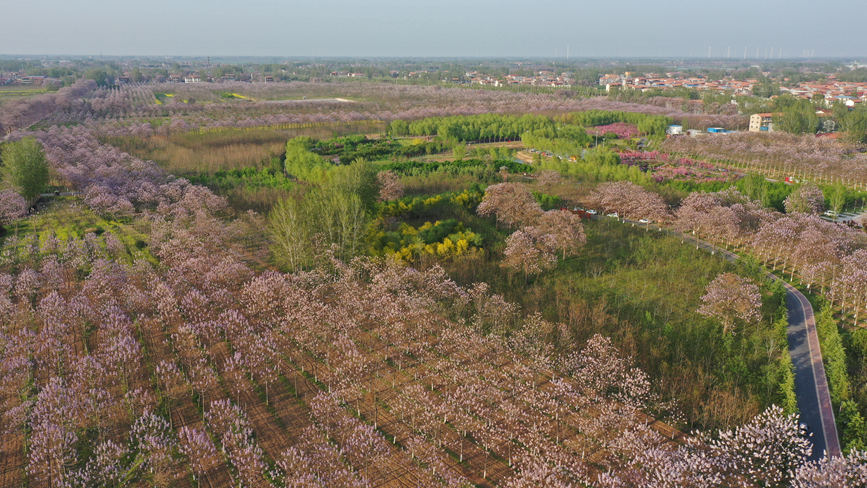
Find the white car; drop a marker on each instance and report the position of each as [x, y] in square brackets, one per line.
[591, 212]
[643, 221]
[614, 215]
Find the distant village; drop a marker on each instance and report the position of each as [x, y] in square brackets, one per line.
[23, 79]
[832, 90]
[126, 77]
[539, 78]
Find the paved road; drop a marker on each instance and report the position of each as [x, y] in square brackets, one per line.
[811, 384]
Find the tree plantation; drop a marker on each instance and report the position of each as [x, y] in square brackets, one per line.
[353, 284]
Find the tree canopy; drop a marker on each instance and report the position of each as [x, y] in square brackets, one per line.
[25, 168]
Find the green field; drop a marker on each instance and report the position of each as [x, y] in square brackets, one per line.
[67, 218]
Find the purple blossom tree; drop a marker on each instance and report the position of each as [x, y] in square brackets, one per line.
[730, 298]
[12, 206]
[199, 450]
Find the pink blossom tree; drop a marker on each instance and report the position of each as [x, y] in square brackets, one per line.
[511, 203]
[730, 298]
[524, 252]
[12, 206]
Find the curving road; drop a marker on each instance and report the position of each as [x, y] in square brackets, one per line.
[811, 384]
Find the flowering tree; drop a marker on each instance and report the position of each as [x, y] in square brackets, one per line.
[764, 452]
[549, 178]
[524, 252]
[52, 440]
[850, 284]
[560, 231]
[730, 298]
[533, 248]
[830, 472]
[12, 206]
[511, 203]
[390, 186]
[694, 213]
[201, 454]
[230, 423]
[151, 435]
[603, 370]
[629, 200]
[808, 198]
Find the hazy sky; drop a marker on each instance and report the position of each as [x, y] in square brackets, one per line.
[434, 27]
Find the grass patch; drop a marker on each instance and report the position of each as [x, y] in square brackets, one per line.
[67, 218]
[642, 289]
[230, 148]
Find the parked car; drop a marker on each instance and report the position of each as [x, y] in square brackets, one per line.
[591, 212]
[643, 221]
[614, 215]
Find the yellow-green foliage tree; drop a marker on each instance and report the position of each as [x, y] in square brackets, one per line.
[443, 239]
[304, 164]
[336, 212]
[25, 168]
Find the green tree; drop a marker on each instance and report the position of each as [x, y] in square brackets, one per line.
[25, 168]
[837, 198]
[459, 151]
[765, 88]
[756, 188]
[291, 226]
[853, 428]
[833, 355]
[358, 178]
[398, 128]
[100, 76]
[798, 119]
[855, 125]
[336, 214]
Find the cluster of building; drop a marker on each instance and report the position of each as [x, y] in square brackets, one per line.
[14, 78]
[677, 130]
[831, 89]
[674, 80]
[193, 77]
[347, 74]
[764, 122]
[539, 78]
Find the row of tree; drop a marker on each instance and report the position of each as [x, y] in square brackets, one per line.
[471, 128]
